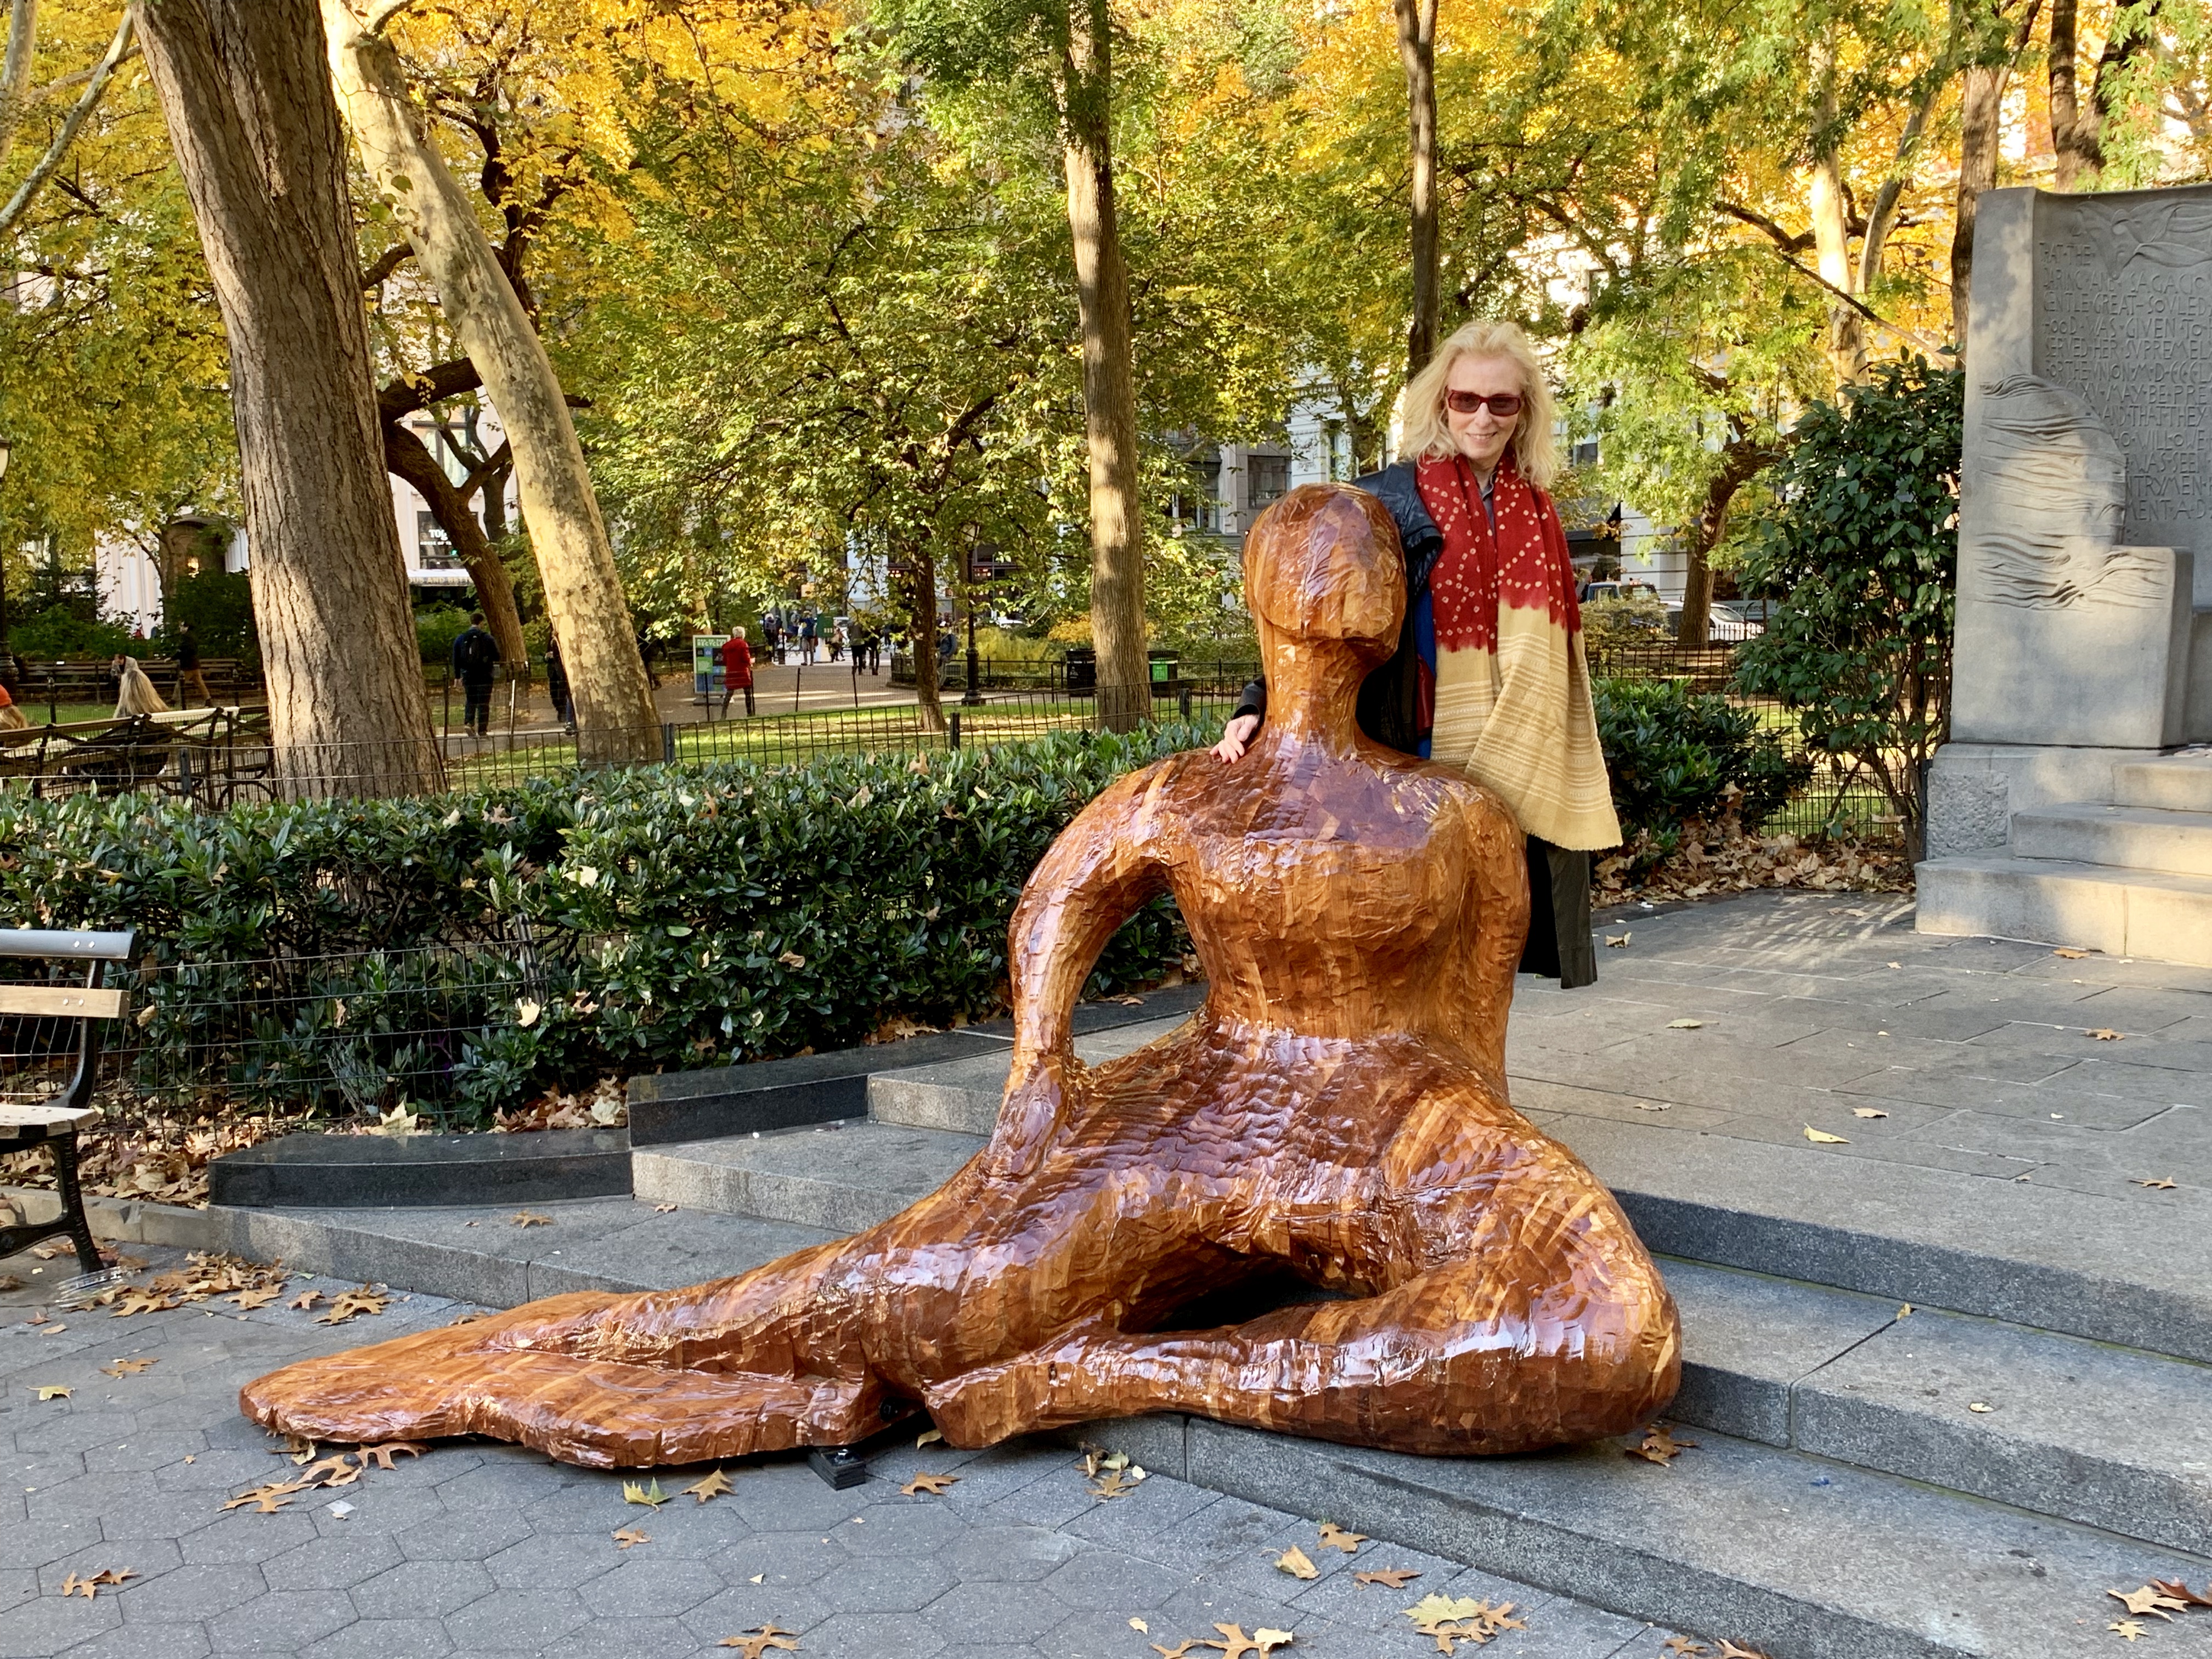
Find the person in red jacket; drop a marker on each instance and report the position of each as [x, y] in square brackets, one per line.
[737, 671]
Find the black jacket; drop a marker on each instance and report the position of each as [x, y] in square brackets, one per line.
[1389, 708]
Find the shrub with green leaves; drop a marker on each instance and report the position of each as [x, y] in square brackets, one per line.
[1673, 755]
[465, 951]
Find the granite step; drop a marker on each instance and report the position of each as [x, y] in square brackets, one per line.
[2178, 783]
[2090, 1432]
[2122, 837]
[2122, 913]
[2038, 1255]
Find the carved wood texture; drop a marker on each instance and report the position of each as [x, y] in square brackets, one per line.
[1336, 1112]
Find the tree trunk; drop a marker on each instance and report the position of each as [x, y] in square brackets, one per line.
[1980, 104]
[410, 461]
[16, 69]
[246, 92]
[615, 714]
[929, 706]
[2073, 137]
[2129, 36]
[1846, 341]
[1739, 461]
[1109, 396]
[1417, 52]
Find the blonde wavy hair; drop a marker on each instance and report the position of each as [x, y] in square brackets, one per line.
[1428, 431]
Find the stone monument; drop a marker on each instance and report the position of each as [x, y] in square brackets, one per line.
[2083, 649]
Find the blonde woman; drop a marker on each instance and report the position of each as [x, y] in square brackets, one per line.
[1489, 674]
[135, 693]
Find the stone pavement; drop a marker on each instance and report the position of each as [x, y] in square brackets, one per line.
[482, 1548]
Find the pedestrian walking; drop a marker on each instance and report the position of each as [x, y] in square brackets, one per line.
[772, 634]
[736, 670]
[807, 638]
[191, 685]
[556, 686]
[837, 642]
[475, 660]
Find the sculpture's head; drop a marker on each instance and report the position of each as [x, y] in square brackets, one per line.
[1323, 563]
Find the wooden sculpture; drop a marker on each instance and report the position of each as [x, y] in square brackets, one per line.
[1336, 1112]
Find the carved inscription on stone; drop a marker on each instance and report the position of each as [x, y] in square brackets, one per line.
[2123, 303]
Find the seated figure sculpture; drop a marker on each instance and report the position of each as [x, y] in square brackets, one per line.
[1336, 1113]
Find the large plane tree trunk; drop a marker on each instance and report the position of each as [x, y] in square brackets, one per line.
[615, 714]
[246, 91]
[1109, 394]
[410, 461]
[1417, 52]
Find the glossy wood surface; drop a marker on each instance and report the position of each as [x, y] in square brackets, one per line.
[1336, 1113]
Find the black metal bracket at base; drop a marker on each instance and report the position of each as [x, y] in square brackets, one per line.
[841, 1465]
[13, 1239]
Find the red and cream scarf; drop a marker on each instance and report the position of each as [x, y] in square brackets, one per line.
[1513, 706]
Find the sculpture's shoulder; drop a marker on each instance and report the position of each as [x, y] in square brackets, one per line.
[1451, 795]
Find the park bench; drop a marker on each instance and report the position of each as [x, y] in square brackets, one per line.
[48, 1054]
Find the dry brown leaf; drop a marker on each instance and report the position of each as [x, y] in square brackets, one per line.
[269, 1499]
[1683, 1645]
[352, 1305]
[382, 1452]
[297, 1447]
[1618, 942]
[2130, 1629]
[1660, 1446]
[135, 1300]
[2103, 1033]
[1297, 1563]
[72, 1584]
[1236, 1644]
[51, 1390]
[127, 1367]
[1867, 1111]
[1981, 1405]
[1116, 1483]
[627, 1536]
[1453, 1619]
[1178, 1650]
[936, 1484]
[713, 1484]
[2070, 954]
[1335, 1537]
[2162, 1183]
[530, 1218]
[9, 1282]
[664, 1209]
[262, 1297]
[1686, 1025]
[928, 1437]
[113, 1574]
[759, 1639]
[2180, 1592]
[306, 1299]
[339, 1471]
[1730, 1650]
[1390, 1578]
[2151, 1600]
[1822, 1138]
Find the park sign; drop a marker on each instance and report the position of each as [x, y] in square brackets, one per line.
[707, 665]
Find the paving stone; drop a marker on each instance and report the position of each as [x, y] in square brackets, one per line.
[469, 1535]
[40, 1629]
[1105, 1580]
[991, 1554]
[416, 1588]
[335, 1561]
[904, 1526]
[505, 1619]
[32, 1543]
[994, 1613]
[245, 1536]
[192, 1592]
[871, 1635]
[662, 1638]
[887, 1583]
[147, 1641]
[281, 1622]
[385, 1639]
[640, 1587]
[744, 1605]
[780, 1557]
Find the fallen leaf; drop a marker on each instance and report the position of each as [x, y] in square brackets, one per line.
[1333, 1537]
[664, 1209]
[530, 1218]
[1905, 1311]
[1616, 943]
[1980, 1405]
[352, 1305]
[9, 1282]
[306, 1299]
[793, 960]
[2103, 1033]
[1683, 1643]
[652, 1496]
[2151, 1600]
[137, 1301]
[250, 1300]
[399, 1123]
[1179, 1649]
[1130, 1002]
[1822, 1138]
[53, 1330]
[298, 1448]
[627, 1536]
[51, 1390]
[2162, 1184]
[1296, 1562]
[2130, 1630]
[2180, 1592]
[1115, 1483]
[936, 1484]
[1141, 1627]
[1867, 1111]
[113, 1574]
[383, 1453]
[72, 1584]
[1686, 1025]
[1390, 1578]
[760, 1577]
[126, 1367]
[1893, 964]
[1450, 1619]
[2070, 954]
[1729, 1651]
[339, 1471]
[759, 1639]
[1659, 1445]
[713, 1484]
[270, 1498]
[928, 1437]
[1236, 1644]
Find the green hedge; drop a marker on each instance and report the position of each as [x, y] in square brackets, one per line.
[1674, 754]
[676, 918]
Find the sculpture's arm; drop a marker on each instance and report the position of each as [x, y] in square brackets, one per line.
[1102, 869]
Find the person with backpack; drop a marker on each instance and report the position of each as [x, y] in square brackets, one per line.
[475, 660]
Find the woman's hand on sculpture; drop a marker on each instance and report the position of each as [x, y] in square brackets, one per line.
[1035, 1107]
[1236, 737]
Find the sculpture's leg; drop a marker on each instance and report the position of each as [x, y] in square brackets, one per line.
[1515, 1312]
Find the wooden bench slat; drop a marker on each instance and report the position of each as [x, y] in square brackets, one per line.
[61, 1002]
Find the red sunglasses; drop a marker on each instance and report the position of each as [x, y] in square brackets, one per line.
[1504, 404]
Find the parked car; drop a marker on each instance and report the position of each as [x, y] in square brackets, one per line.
[1614, 590]
[1724, 627]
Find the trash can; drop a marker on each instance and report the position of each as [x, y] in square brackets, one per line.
[1082, 667]
[1166, 674]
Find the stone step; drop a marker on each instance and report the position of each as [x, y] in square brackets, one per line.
[2126, 913]
[2090, 1432]
[2176, 784]
[2124, 837]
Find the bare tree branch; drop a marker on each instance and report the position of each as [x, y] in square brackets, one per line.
[385, 263]
[116, 49]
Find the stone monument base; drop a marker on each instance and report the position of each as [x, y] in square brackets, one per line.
[2107, 849]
